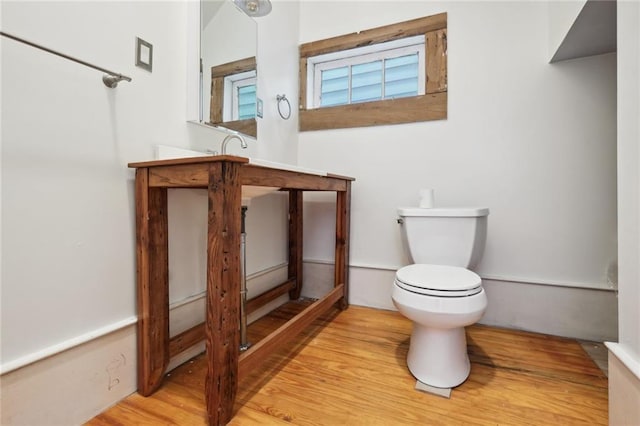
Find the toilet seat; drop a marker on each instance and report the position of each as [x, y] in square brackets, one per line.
[438, 280]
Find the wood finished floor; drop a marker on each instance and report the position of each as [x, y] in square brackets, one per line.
[350, 368]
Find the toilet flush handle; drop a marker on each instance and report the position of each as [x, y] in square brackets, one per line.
[400, 221]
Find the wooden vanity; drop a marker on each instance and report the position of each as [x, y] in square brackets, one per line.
[223, 177]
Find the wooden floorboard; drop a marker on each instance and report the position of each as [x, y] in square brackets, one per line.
[349, 368]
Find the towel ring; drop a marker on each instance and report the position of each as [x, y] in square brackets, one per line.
[280, 99]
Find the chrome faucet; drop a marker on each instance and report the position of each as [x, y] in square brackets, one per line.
[226, 140]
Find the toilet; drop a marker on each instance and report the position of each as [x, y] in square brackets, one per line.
[438, 292]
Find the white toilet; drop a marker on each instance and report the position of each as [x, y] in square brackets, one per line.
[437, 292]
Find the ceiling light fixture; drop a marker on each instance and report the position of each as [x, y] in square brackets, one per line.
[254, 8]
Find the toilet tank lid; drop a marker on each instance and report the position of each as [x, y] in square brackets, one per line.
[444, 212]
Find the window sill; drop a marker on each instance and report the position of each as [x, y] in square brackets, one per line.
[248, 127]
[427, 107]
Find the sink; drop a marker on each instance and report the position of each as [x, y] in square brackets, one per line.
[283, 166]
[249, 192]
[166, 152]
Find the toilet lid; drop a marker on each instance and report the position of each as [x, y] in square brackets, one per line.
[439, 280]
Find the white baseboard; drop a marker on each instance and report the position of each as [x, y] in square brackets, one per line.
[76, 380]
[577, 312]
[624, 386]
[580, 313]
[73, 386]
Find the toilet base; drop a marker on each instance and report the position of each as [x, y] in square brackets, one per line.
[438, 357]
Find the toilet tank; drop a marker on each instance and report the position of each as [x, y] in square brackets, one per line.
[445, 236]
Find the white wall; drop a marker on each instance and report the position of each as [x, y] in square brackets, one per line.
[527, 139]
[278, 75]
[68, 223]
[628, 175]
[68, 241]
[624, 356]
[533, 142]
[68, 232]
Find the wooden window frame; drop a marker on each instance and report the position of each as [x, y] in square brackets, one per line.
[430, 106]
[218, 74]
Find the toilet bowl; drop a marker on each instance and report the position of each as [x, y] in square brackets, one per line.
[440, 301]
[438, 293]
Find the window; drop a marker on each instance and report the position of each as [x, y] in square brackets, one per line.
[233, 96]
[388, 71]
[239, 96]
[245, 96]
[386, 75]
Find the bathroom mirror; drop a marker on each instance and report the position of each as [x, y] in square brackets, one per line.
[228, 43]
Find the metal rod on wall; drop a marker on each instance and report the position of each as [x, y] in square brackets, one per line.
[110, 80]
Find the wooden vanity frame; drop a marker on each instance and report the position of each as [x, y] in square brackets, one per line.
[223, 177]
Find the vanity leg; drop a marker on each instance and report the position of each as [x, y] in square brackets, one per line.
[152, 256]
[343, 215]
[295, 241]
[223, 291]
